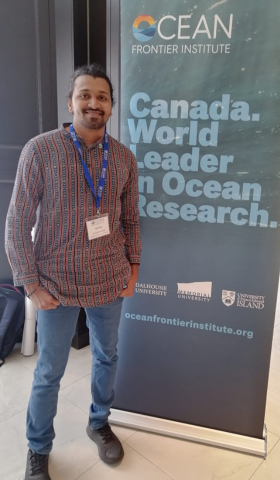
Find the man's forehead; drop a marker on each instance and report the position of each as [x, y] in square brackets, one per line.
[87, 82]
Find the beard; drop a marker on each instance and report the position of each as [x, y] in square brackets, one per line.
[93, 123]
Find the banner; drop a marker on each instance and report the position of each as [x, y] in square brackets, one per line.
[200, 109]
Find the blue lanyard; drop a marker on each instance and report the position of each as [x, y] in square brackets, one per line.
[86, 171]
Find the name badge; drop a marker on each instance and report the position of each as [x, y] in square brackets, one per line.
[98, 226]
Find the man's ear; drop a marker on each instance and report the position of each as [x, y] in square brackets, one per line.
[69, 106]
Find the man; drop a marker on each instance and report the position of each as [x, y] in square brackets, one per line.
[79, 188]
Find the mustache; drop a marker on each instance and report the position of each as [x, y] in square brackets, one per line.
[93, 110]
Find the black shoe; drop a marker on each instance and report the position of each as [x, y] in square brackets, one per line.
[109, 447]
[37, 466]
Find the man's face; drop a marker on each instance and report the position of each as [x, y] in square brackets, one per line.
[91, 103]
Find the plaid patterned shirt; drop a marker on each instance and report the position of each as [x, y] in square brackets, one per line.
[51, 193]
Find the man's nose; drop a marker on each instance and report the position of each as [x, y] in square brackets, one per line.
[94, 103]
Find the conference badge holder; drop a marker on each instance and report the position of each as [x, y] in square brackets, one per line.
[98, 226]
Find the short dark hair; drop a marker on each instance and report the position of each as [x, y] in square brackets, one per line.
[94, 70]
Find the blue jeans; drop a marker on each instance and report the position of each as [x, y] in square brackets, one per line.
[56, 329]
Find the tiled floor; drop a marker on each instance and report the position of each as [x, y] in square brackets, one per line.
[147, 456]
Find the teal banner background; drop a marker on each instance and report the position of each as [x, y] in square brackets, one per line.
[195, 340]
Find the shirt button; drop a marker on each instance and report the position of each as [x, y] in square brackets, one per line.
[100, 145]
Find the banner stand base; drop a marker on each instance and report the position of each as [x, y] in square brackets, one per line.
[216, 438]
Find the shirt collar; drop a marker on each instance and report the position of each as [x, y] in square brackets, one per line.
[81, 140]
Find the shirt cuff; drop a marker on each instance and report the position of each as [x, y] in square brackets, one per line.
[25, 279]
[134, 259]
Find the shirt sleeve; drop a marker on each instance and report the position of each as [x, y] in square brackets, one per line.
[21, 217]
[130, 213]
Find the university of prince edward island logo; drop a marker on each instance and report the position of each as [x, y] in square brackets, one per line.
[147, 33]
[228, 298]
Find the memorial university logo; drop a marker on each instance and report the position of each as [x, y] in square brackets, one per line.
[198, 291]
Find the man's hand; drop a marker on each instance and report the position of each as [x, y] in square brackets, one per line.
[128, 292]
[40, 298]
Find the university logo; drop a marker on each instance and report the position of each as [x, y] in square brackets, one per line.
[250, 301]
[147, 33]
[151, 289]
[228, 297]
[199, 291]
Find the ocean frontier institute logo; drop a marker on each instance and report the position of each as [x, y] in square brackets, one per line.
[186, 33]
[147, 33]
